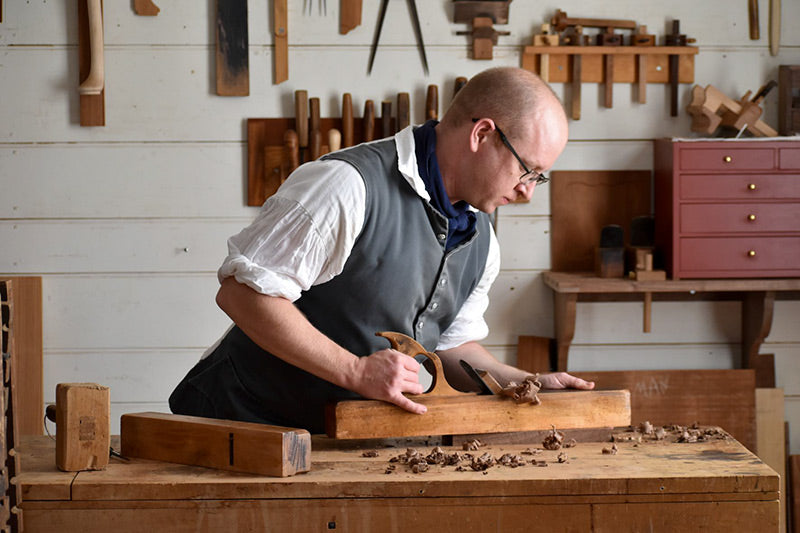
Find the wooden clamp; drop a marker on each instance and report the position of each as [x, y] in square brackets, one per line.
[561, 22]
[710, 108]
[642, 38]
[451, 412]
[546, 38]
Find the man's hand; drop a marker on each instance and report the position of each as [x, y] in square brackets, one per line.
[386, 375]
[562, 380]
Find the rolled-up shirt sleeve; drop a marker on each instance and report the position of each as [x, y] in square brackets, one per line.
[303, 234]
[469, 324]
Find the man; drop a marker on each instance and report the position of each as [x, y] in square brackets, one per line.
[391, 235]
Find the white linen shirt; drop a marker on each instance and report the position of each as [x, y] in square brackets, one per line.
[305, 232]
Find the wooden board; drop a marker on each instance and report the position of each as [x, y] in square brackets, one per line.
[794, 503]
[232, 56]
[469, 413]
[222, 444]
[582, 202]
[724, 398]
[771, 438]
[26, 329]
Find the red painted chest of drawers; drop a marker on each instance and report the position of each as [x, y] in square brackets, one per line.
[728, 209]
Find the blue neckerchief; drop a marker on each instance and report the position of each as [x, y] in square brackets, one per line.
[461, 220]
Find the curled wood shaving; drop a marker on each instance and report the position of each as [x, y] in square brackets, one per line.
[562, 457]
[610, 451]
[369, 453]
[472, 445]
[524, 392]
[512, 460]
[553, 440]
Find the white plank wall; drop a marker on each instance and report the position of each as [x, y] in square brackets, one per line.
[127, 223]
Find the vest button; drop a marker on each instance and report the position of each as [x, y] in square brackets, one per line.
[443, 282]
[419, 325]
[441, 236]
[434, 305]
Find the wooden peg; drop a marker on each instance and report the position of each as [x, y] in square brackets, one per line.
[369, 121]
[347, 120]
[334, 140]
[403, 111]
[432, 103]
[386, 119]
[459, 84]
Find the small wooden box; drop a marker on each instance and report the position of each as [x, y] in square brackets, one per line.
[82, 426]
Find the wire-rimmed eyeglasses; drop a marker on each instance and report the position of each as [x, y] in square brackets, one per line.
[530, 175]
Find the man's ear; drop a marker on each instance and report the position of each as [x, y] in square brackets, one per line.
[480, 133]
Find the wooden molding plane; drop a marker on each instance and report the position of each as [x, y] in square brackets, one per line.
[464, 413]
[710, 108]
[451, 412]
[223, 444]
[91, 63]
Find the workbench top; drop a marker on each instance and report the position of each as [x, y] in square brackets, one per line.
[718, 471]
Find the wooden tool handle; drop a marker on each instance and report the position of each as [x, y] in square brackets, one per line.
[301, 117]
[460, 82]
[405, 344]
[292, 151]
[347, 119]
[315, 144]
[432, 103]
[95, 81]
[334, 139]
[774, 26]
[350, 15]
[313, 108]
[369, 120]
[386, 119]
[403, 111]
[752, 16]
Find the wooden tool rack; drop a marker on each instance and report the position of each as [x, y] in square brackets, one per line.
[716, 485]
[625, 65]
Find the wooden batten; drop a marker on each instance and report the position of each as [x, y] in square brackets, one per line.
[469, 413]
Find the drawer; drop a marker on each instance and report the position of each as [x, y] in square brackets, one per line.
[725, 159]
[740, 254]
[740, 218]
[789, 158]
[747, 186]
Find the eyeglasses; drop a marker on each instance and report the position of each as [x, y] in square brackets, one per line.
[530, 175]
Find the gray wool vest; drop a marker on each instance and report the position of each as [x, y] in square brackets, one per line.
[398, 277]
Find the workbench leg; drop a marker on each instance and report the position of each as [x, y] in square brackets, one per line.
[564, 307]
[756, 322]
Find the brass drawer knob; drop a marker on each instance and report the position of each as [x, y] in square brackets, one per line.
[752, 186]
[727, 159]
[751, 253]
[751, 217]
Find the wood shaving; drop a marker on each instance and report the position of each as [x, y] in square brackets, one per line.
[610, 451]
[483, 462]
[562, 457]
[553, 440]
[472, 445]
[512, 460]
[524, 392]
[370, 453]
[571, 443]
[528, 451]
[646, 428]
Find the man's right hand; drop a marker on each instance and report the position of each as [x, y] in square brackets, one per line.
[386, 375]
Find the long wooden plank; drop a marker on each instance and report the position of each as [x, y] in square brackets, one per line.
[724, 398]
[223, 444]
[452, 415]
[771, 440]
[26, 329]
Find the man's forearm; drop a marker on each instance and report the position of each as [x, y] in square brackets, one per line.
[278, 327]
[478, 357]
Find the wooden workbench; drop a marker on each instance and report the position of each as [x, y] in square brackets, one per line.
[716, 485]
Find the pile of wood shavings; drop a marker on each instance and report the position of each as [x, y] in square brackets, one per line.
[465, 461]
[674, 433]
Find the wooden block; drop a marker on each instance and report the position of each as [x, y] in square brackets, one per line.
[724, 398]
[82, 426]
[534, 353]
[770, 438]
[223, 444]
[469, 413]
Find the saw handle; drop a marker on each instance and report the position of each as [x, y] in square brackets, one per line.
[405, 344]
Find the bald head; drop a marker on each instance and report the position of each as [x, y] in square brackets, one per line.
[511, 96]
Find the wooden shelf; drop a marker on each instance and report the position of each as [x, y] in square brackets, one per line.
[757, 297]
